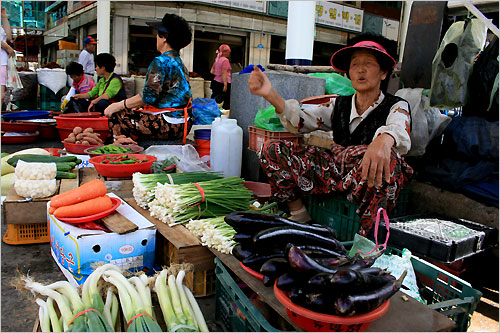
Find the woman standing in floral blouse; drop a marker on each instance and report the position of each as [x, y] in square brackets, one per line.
[163, 109]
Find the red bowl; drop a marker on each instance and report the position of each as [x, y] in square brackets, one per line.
[319, 322]
[19, 139]
[122, 170]
[135, 150]
[19, 127]
[99, 123]
[252, 272]
[81, 115]
[77, 148]
[116, 203]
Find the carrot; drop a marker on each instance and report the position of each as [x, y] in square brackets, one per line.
[85, 208]
[52, 210]
[90, 190]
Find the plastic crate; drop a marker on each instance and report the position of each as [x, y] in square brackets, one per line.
[445, 292]
[49, 100]
[258, 136]
[32, 233]
[26, 105]
[339, 213]
[233, 308]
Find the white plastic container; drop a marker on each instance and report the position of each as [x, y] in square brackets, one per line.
[226, 147]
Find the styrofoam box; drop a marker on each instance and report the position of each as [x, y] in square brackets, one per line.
[77, 251]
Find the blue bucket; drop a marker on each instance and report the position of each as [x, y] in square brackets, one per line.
[202, 134]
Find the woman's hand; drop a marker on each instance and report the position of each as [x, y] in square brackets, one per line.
[77, 96]
[376, 162]
[11, 51]
[225, 87]
[113, 108]
[259, 83]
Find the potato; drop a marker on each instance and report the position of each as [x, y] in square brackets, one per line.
[85, 142]
[79, 136]
[70, 139]
[77, 130]
[88, 130]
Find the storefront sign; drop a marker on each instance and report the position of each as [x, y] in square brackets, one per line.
[257, 6]
[340, 16]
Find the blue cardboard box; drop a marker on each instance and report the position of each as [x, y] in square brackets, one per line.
[78, 251]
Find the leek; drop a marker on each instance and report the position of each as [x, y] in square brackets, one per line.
[202, 325]
[176, 301]
[43, 315]
[164, 300]
[184, 301]
[145, 184]
[55, 322]
[214, 233]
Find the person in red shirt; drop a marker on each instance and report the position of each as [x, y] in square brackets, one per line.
[82, 83]
[221, 84]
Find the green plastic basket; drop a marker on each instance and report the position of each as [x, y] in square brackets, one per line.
[335, 211]
[49, 100]
[445, 292]
[229, 299]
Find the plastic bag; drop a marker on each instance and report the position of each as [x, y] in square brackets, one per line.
[189, 160]
[13, 80]
[54, 79]
[35, 171]
[268, 120]
[453, 62]
[35, 188]
[426, 122]
[205, 110]
[393, 263]
[336, 84]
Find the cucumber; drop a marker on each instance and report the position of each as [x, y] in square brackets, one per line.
[5, 154]
[40, 159]
[68, 166]
[65, 175]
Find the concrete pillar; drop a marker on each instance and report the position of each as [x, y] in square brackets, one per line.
[120, 44]
[103, 26]
[300, 32]
[404, 27]
[260, 48]
[187, 55]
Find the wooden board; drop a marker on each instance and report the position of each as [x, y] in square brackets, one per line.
[402, 316]
[118, 223]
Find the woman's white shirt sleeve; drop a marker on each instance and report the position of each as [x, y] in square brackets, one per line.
[398, 126]
[313, 117]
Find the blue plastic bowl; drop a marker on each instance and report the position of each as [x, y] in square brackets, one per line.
[26, 115]
[202, 134]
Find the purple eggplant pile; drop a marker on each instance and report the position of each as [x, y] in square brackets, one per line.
[310, 264]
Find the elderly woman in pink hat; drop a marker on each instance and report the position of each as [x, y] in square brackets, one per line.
[371, 131]
[221, 84]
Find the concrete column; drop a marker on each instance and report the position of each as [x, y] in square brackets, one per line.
[187, 55]
[120, 44]
[403, 29]
[260, 49]
[300, 32]
[103, 26]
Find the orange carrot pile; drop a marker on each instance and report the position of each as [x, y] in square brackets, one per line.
[85, 208]
[93, 189]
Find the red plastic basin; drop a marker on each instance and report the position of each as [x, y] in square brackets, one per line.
[319, 322]
[100, 123]
[19, 127]
[122, 170]
[77, 148]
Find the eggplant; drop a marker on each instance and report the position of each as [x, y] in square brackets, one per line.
[319, 252]
[318, 282]
[360, 262]
[280, 236]
[240, 252]
[274, 267]
[268, 281]
[332, 262]
[297, 296]
[365, 302]
[243, 238]
[287, 281]
[319, 302]
[255, 261]
[250, 222]
[302, 263]
[348, 281]
[374, 271]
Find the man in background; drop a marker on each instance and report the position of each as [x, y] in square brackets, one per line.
[86, 58]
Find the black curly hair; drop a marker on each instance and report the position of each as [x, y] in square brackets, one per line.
[105, 60]
[74, 68]
[389, 45]
[179, 32]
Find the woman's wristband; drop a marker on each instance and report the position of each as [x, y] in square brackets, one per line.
[125, 105]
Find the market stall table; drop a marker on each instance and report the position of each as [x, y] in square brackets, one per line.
[402, 316]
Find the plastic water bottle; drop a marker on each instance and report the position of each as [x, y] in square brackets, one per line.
[226, 147]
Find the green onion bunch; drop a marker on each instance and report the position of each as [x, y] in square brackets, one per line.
[175, 204]
[214, 233]
[145, 184]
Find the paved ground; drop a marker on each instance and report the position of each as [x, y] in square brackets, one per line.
[19, 310]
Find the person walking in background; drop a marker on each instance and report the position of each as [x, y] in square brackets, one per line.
[86, 58]
[82, 83]
[163, 109]
[109, 88]
[7, 51]
[221, 84]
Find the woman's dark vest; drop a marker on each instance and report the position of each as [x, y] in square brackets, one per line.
[363, 134]
[121, 95]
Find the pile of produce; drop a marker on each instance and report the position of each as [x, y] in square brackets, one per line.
[310, 264]
[84, 137]
[85, 200]
[123, 140]
[64, 309]
[145, 184]
[175, 204]
[214, 233]
[8, 175]
[123, 159]
[112, 149]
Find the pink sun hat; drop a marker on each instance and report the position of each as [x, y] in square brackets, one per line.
[342, 58]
